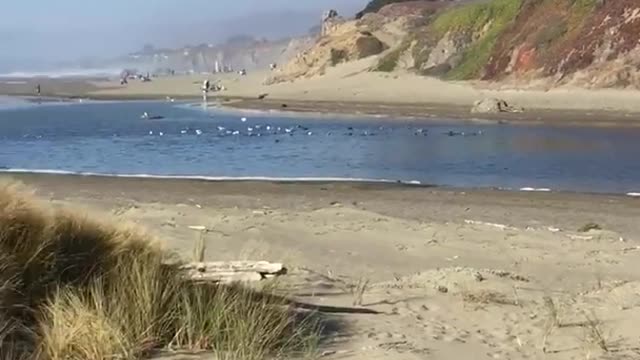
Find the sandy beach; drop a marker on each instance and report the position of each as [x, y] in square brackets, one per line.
[450, 272]
[351, 89]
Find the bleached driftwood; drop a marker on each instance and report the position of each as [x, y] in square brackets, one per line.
[233, 271]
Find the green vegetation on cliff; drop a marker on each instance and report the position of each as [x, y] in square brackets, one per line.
[484, 21]
[389, 61]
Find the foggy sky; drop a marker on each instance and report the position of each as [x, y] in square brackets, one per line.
[39, 30]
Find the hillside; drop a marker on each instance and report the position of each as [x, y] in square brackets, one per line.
[588, 43]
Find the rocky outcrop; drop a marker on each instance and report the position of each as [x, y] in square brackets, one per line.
[330, 21]
[493, 106]
[346, 42]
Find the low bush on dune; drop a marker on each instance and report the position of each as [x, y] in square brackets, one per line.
[75, 288]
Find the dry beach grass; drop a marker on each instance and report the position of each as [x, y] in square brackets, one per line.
[76, 288]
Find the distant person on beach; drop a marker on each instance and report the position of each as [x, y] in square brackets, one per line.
[205, 89]
[38, 89]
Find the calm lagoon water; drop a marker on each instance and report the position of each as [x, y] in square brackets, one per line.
[111, 138]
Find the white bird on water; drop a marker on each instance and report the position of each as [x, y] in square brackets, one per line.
[220, 128]
[244, 119]
[199, 132]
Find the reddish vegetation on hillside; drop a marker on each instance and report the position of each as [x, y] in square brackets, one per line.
[562, 37]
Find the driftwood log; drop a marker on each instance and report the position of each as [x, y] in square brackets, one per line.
[232, 271]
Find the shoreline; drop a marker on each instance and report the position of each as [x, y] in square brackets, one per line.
[300, 181]
[363, 95]
[436, 112]
[423, 112]
[561, 209]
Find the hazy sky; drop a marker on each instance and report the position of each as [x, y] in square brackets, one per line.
[66, 29]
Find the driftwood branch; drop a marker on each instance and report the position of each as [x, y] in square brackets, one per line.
[232, 271]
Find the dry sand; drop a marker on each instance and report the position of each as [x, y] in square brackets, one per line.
[351, 83]
[349, 88]
[453, 274]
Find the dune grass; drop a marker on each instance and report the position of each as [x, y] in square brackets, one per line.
[75, 288]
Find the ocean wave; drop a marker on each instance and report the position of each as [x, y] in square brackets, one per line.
[535, 189]
[208, 178]
[62, 73]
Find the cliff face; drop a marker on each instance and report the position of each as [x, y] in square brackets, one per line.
[341, 42]
[589, 43]
[592, 43]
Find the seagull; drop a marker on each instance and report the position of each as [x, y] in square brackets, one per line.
[236, 132]
[161, 133]
[244, 119]
[268, 127]
[199, 132]
[250, 129]
[220, 128]
[183, 131]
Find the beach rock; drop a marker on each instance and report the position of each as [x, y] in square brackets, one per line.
[493, 106]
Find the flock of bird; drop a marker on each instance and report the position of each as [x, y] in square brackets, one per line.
[259, 130]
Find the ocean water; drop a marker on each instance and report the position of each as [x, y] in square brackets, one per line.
[110, 138]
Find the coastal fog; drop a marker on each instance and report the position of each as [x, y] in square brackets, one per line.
[77, 38]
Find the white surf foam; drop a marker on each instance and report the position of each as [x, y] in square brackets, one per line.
[210, 178]
[535, 189]
[62, 73]
[633, 194]
[13, 82]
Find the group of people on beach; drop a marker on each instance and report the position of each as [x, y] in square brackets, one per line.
[207, 86]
